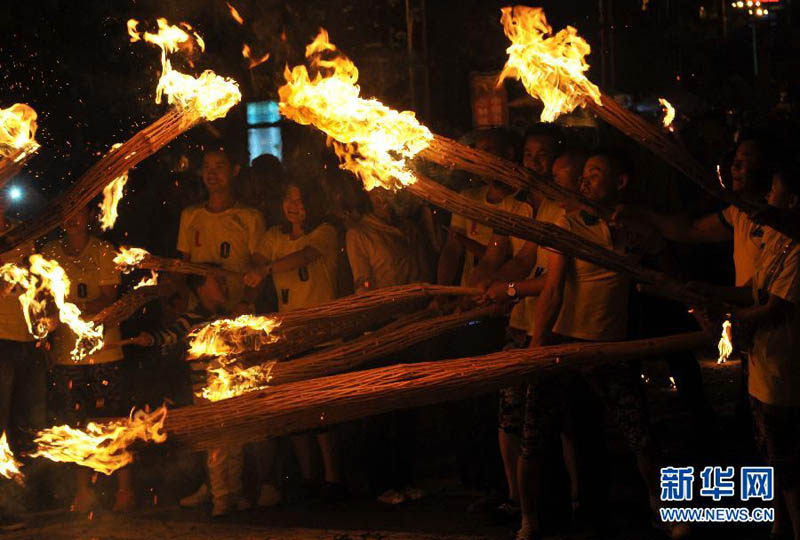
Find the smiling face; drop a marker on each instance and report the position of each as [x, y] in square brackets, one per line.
[567, 171]
[746, 163]
[293, 208]
[218, 171]
[600, 181]
[538, 154]
[779, 195]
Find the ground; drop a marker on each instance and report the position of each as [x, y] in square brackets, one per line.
[443, 513]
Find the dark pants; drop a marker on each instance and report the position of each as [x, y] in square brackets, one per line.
[23, 376]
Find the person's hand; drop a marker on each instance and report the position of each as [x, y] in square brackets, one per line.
[630, 216]
[497, 292]
[254, 276]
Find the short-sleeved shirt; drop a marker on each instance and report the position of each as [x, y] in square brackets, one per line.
[87, 273]
[774, 367]
[595, 301]
[12, 320]
[522, 315]
[382, 255]
[748, 239]
[481, 233]
[228, 239]
[309, 285]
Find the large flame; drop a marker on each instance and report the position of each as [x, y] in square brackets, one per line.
[551, 67]
[229, 380]
[129, 258]
[45, 278]
[112, 194]
[725, 344]
[148, 281]
[227, 337]
[669, 113]
[9, 467]
[17, 131]
[102, 446]
[372, 140]
[209, 96]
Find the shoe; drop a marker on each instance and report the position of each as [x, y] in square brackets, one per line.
[9, 523]
[332, 492]
[527, 533]
[196, 499]
[269, 496]
[391, 496]
[125, 502]
[505, 512]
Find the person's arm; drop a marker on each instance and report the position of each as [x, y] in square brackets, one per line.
[108, 295]
[774, 310]
[358, 256]
[549, 303]
[679, 228]
[450, 259]
[520, 265]
[496, 254]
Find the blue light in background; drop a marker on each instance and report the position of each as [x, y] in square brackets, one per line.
[263, 138]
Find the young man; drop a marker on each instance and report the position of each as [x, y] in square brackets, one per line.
[224, 232]
[95, 386]
[22, 368]
[522, 277]
[581, 301]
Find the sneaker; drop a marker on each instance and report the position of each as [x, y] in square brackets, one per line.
[269, 496]
[196, 499]
[505, 512]
[391, 496]
[528, 533]
[10, 523]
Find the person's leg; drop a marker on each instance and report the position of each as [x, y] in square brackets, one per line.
[330, 456]
[509, 422]
[303, 450]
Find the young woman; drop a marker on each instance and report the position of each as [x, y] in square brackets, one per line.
[301, 255]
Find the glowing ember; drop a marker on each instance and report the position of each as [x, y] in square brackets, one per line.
[372, 140]
[669, 113]
[227, 381]
[551, 67]
[9, 467]
[46, 278]
[725, 344]
[672, 384]
[226, 337]
[719, 177]
[209, 96]
[17, 131]
[235, 14]
[129, 258]
[247, 53]
[112, 194]
[148, 281]
[102, 446]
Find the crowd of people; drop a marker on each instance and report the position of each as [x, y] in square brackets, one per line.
[300, 243]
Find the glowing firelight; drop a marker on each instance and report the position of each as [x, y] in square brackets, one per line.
[112, 194]
[725, 344]
[372, 140]
[669, 113]
[719, 177]
[129, 258]
[9, 466]
[101, 446]
[227, 337]
[235, 14]
[550, 66]
[227, 381]
[148, 281]
[46, 279]
[209, 96]
[247, 53]
[17, 132]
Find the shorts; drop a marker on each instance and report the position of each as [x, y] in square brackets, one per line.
[511, 402]
[82, 392]
[551, 399]
[777, 434]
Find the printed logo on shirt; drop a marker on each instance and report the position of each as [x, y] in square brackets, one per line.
[83, 290]
[285, 296]
[302, 273]
[224, 250]
[538, 272]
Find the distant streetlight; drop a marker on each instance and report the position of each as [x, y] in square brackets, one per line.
[15, 193]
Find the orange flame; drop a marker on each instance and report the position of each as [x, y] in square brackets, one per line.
[148, 281]
[101, 446]
[17, 132]
[9, 467]
[112, 194]
[669, 113]
[247, 53]
[235, 14]
[227, 337]
[372, 140]
[229, 380]
[209, 96]
[129, 258]
[46, 278]
[551, 67]
[725, 344]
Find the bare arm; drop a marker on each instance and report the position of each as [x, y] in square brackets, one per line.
[520, 265]
[549, 304]
[108, 295]
[774, 310]
[682, 229]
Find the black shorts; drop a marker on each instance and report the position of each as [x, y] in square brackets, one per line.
[511, 402]
[777, 434]
[82, 392]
